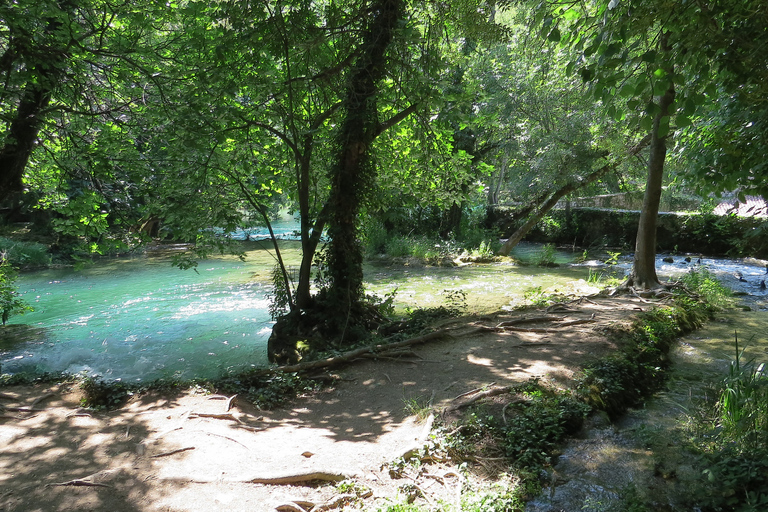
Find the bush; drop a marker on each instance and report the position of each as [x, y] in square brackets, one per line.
[540, 425]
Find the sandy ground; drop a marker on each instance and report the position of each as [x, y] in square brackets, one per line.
[201, 452]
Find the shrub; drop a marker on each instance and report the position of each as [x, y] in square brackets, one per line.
[540, 425]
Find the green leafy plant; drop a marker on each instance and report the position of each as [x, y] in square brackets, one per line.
[99, 394]
[418, 407]
[708, 286]
[546, 256]
[25, 254]
[279, 298]
[613, 258]
[538, 425]
[10, 301]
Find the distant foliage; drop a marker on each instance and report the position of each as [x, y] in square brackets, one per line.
[24, 254]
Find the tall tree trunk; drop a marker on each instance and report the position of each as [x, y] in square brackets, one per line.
[354, 172]
[643, 273]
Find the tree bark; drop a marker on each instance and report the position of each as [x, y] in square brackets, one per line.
[353, 173]
[46, 68]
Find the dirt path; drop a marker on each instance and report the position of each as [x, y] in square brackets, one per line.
[192, 452]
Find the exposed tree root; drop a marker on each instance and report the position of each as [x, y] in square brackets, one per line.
[40, 399]
[531, 320]
[337, 502]
[479, 396]
[222, 416]
[95, 480]
[510, 325]
[79, 483]
[301, 506]
[419, 444]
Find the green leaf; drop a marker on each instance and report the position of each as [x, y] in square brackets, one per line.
[626, 91]
[649, 56]
[682, 121]
[554, 35]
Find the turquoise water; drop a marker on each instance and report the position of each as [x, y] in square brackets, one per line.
[143, 318]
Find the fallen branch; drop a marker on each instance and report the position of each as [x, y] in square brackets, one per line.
[353, 354]
[310, 476]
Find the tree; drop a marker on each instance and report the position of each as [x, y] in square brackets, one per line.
[639, 54]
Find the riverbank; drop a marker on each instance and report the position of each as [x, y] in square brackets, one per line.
[197, 451]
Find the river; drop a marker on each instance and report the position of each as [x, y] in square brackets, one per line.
[139, 318]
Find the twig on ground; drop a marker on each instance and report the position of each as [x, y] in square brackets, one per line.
[225, 437]
[173, 452]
